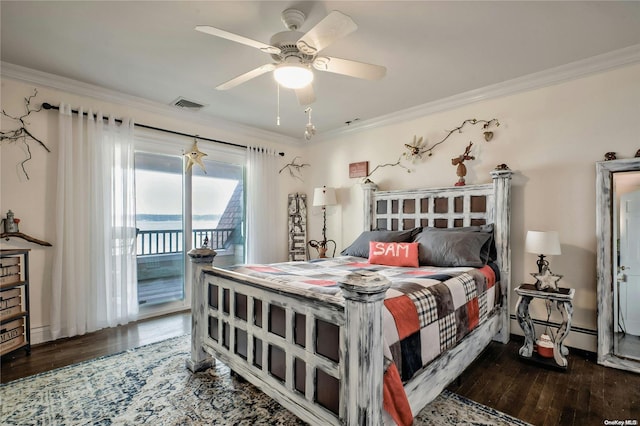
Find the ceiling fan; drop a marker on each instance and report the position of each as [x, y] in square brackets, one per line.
[294, 53]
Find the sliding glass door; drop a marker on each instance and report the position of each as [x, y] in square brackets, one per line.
[159, 227]
[177, 211]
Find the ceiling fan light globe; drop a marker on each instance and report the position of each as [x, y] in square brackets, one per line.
[293, 76]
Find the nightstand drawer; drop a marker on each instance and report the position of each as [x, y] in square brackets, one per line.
[11, 330]
[11, 344]
[10, 303]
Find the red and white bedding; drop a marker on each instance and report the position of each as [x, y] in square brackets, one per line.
[426, 311]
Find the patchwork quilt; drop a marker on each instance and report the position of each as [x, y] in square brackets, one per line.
[426, 311]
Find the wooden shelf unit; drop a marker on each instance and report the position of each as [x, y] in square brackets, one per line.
[15, 325]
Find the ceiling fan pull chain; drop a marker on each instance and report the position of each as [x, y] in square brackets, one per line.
[278, 112]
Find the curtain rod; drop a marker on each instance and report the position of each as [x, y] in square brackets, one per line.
[47, 105]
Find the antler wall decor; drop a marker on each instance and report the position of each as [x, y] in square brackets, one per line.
[22, 133]
[418, 149]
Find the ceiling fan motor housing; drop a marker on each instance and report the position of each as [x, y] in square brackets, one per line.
[289, 52]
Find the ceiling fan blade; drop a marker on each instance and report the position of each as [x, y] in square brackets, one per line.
[333, 27]
[246, 77]
[306, 95]
[349, 67]
[237, 38]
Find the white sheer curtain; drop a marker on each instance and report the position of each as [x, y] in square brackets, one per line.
[94, 282]
[265, 238]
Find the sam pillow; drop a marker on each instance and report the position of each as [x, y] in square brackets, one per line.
[393, 254]
[360, 247]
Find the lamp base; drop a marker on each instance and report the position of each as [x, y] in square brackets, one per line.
[547, 281]
[322, 247]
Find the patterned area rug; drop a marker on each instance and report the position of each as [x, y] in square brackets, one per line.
[150, 385]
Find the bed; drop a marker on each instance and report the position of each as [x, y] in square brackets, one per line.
[312, 347]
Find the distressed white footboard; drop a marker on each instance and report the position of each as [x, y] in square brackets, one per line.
[297, 349]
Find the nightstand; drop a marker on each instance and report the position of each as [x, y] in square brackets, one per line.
[563, 300]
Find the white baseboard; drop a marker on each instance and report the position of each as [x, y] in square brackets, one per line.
[40, 335]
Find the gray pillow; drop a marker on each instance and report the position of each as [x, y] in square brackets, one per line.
[360, 247]
[488, 250]
[445, 248]
[473, 228]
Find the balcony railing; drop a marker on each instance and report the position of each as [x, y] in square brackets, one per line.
[170, 240]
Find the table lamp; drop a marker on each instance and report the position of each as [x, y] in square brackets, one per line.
[543, 243]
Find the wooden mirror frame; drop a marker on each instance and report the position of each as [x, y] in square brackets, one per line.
[605, 250]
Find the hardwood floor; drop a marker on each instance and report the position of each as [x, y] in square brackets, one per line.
[63, 352]
[586, 394]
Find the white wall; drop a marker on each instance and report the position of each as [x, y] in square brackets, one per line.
[550, 137]
[33, 200]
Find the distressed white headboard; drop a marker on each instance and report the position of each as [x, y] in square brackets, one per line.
[450, 207]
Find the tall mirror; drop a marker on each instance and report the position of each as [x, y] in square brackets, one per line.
[618, 233]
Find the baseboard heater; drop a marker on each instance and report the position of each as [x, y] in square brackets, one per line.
[557, 325]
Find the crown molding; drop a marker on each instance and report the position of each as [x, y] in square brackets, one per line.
[574, 70]
[75, 87]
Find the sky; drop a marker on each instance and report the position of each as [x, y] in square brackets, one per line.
[161, 193]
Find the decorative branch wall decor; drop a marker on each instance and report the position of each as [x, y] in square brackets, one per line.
[295, 169]
[419, 148]
[23, 134]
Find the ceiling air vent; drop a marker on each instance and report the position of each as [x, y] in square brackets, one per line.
[187, 104]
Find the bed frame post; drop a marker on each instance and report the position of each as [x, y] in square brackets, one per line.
[200, 360]
[361, 390]
[368, 188]
[502, 191]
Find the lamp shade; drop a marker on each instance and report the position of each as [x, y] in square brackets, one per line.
[293, 76]
[543, 242]
[324, 196]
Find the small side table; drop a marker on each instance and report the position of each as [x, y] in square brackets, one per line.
[564, 303]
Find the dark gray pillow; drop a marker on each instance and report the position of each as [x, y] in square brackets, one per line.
[445, 248]
[360, 247]
[488, 250]
[473, 228]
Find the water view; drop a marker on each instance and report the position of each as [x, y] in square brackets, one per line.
[155, 222]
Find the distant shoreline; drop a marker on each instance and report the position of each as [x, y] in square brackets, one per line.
[172, 222]
[174, 217]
